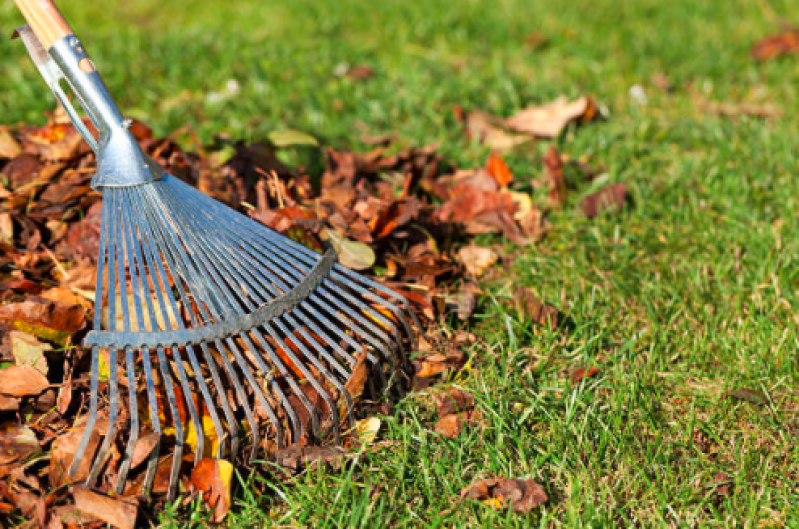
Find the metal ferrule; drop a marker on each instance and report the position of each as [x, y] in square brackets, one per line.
[120, 160]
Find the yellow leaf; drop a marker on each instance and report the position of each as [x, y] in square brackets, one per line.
[367, 430]
[494, 503]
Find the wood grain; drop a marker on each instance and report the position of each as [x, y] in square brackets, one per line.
[45, 20]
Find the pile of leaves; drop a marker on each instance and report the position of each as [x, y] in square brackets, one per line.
[398, 214]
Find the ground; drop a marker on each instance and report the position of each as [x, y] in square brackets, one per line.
[681, 299]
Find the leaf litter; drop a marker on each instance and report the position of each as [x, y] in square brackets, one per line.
[399, 214]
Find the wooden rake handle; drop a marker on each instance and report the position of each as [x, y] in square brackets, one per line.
[45, 20]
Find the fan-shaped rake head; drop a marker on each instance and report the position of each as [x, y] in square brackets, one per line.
[225, 330]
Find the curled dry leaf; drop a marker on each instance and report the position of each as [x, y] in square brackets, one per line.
[48, 320]
[22, 381]
[522, 495]
[476, 259]
[114, 511]
[352, 254]
[17, 443]
[613, 196]
[295, 458]
[452, 425]
[453, 400]
[549, 120]
[213, 478]
[367, 430]
[428, 368]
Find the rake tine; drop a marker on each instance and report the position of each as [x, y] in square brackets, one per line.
[137, 292]
[95, 380]
[134, 422]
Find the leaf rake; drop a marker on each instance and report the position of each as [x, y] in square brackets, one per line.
[237, 334]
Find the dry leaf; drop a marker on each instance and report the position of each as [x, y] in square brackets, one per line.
[549, 120]
[9, 147]
[213, 478]
[352, 254]
[428, 368]
[522, 495]
[749, 395]
[28, 351]
[776, 46]
[532, 308]
[114, 511]
[452, 425]
[367, 429]
[486, 129]
[295, 458]
[453, 401]
[17, 443]
[554, 171]
[581, 373]
[499, 170]
[476, 259]
[613, 196]
[6, 228]
[48, 320]
[21, 381]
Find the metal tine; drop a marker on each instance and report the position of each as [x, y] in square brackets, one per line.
[95, 380]
[131, 255]
[143, 286]
[111, 220]
[153, 245]
[167, 250]
[130, 362]
[213, 274]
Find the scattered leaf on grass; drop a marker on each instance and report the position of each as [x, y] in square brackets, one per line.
[581, 373]
[499, 170]
[554, 171]
[452, 425]
[21, 381]
[295, 458]
[17, 442]
[453, 400]
[749, 395]
[549, 120]
[487, 129]
[522, 495]
[532, 308]
[776, 45]
[114, 511]
[213, 478]
[613, 196]
[428, 368]
[721, 484]
[476, 259]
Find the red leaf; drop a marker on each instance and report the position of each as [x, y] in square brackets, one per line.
[581, 373]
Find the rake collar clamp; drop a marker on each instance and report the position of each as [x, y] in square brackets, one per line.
[221, 330]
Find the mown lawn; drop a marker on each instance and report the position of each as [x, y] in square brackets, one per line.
[679, 300]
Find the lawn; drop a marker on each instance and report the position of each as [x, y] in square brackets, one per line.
[683, 298]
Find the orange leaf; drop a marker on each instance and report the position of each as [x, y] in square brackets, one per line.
[498, 169]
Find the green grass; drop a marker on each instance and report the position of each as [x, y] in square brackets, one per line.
[689, 295]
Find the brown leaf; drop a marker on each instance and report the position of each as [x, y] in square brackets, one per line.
[476, 259]
[428, 368]
[21, 381]
[22, 170]
[613, 196]
[486, 129]
[532, 308]
[144, 447]
[63, 452]
[360, 71]
[9, 146]
[452, 425]
[581, 373]
[114, 511]
[749, 395]
[453, 401]
[48, 320]
[357, 381]
[295, 458]
[213, 478]
[549, 120]
[498, 169]
[17, 443]
[721, 484]
[522, 495]
[554, 171]
[8, 403]
[776, 45]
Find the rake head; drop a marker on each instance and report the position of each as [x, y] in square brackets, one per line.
[223, 326]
